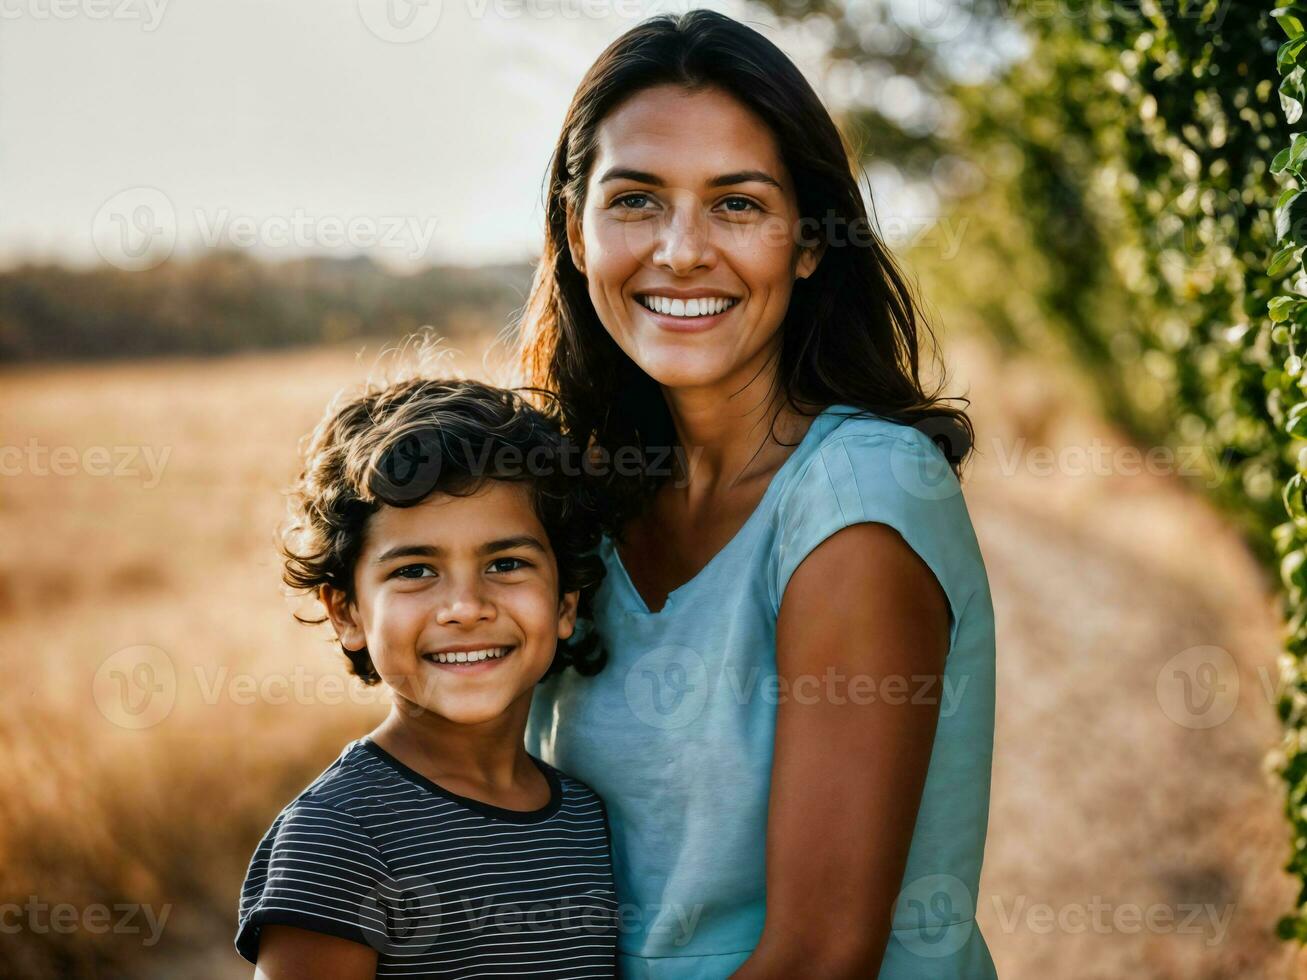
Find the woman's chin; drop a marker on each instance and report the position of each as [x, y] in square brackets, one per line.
[683, 368]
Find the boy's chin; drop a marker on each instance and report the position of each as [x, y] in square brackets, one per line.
[459, 710]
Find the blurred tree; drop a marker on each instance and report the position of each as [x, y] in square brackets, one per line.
[1126, 151]
[228, 301]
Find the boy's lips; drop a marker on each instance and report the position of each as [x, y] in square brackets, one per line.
[465, 660]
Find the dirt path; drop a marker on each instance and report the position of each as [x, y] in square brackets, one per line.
[1132, 833]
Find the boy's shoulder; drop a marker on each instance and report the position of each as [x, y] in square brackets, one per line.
[349, 786]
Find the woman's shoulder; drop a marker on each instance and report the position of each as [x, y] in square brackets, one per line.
[851, 449]
[863, 468]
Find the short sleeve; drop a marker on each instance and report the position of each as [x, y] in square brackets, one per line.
[897, 477]
[316, 869]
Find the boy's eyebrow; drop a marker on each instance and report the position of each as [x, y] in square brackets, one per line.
[435, 551]
[722, 180]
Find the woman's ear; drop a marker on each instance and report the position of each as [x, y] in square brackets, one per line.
[567, 614]
[344, 616]
[809, 259]
[575, 239]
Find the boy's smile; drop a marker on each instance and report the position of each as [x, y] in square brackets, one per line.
[456, 600]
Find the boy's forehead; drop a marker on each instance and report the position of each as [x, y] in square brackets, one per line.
[498, 509]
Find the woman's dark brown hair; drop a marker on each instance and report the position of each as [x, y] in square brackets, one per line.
[850, 336]
[396, 444]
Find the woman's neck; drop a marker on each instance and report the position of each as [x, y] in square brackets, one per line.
[732, 434]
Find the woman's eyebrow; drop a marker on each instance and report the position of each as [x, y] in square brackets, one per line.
[722, 180]
[626, 173]
[745, 177]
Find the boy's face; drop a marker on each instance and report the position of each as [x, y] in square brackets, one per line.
[452, 573]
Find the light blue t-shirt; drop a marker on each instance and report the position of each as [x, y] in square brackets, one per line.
[676, 732]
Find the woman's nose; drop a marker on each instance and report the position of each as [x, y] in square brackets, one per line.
[683, 243]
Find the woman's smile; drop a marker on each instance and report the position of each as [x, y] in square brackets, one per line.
[686, 311]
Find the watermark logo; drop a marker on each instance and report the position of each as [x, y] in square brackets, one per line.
[136, 687]
[1199, 687]
[933, 21]
[400, 21]
[918, 469]
[401, 916]
[667, 687]
[136, 229]
[934, 915]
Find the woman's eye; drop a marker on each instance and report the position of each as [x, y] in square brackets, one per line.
[739, 205]
[513, 565]
[633, 202]
[412, 571]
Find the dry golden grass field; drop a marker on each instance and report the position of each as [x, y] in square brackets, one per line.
[160, 703]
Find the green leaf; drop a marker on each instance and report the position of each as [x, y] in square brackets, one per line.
[1282, 259]
[1291, 18]
[1292, 95]
[1281, 307]
[1291, 219]
[1288, 52]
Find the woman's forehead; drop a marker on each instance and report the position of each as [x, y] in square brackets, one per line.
[702, 133]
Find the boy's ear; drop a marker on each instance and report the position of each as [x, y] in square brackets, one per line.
[575, 239]
[344, 616]
[567, 614]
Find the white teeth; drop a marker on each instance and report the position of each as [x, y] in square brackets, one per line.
[687, 308]
[470, 656]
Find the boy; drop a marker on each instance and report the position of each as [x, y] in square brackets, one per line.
[453, 555]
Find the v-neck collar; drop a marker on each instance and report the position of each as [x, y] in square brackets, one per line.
[820, 423]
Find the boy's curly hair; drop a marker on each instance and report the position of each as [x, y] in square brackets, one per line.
[397, 444]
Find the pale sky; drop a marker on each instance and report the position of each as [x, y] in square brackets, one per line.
[414, 130]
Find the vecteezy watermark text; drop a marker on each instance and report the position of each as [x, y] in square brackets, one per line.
[148, 12]
[36, 459]
[64, 918]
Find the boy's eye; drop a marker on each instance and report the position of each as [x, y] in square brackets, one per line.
[411, 571]
[509, 564]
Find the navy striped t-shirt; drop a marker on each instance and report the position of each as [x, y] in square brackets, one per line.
[440, 885]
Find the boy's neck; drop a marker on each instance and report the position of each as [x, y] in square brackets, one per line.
[490, 755]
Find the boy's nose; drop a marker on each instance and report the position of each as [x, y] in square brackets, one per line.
[466, 604]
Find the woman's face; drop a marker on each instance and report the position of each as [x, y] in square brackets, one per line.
[688, 237]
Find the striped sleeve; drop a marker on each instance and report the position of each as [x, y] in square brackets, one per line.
[316, 869]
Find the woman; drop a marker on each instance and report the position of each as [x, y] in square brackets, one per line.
[794, 730]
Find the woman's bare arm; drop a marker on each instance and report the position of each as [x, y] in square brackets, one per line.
[288, 953]
[848, 769]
